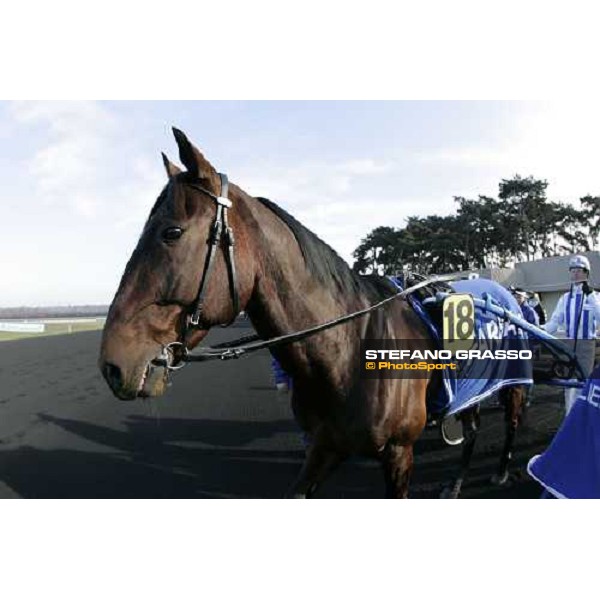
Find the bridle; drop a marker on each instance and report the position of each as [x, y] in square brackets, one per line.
[219, 228]
[173, 355]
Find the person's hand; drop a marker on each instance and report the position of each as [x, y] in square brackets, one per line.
[586, 289]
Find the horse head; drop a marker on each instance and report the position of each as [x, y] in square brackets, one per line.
[159, 292]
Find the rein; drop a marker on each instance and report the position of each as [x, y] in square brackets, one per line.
[242, 346]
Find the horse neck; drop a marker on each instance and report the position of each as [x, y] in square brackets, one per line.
[286, 296]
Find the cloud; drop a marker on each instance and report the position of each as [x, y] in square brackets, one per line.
[559, 142]
[67, 164]
[553, 141]
[81, 162]
[299, 181]
[466, 156]
[84, 189]
[340, 201]
[315, 192]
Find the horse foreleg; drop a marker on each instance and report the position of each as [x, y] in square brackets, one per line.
[321, 459]
[397, 467]
[470, 422]
[514, 399]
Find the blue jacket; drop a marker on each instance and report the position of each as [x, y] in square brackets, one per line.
[529, 314]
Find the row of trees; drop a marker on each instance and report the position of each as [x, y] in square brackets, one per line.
[521, 224]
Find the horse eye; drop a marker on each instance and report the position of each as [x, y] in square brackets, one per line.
[172, 234]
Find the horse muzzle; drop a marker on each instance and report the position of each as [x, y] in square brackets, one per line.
[148, 382]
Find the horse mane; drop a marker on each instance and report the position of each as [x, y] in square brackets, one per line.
[326, 265]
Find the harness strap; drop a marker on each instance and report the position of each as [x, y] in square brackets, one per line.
[220, 227]
[214, 239]
[231, 273]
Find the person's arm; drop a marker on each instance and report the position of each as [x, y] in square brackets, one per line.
[557, 318]
[593, 300]
[529, 314]
[541, 313]
[534, 317]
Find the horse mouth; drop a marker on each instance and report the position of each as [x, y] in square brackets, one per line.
[142, 383]
[153, 381]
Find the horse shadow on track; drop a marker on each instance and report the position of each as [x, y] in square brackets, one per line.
[180, 458]
[206, 458]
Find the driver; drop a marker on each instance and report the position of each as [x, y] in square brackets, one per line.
[578, 312]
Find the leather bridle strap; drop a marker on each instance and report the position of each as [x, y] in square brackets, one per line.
[219, 227]
[230, 260]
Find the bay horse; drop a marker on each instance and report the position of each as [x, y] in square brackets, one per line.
[285, 279]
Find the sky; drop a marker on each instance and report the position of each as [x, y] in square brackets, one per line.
[79, 178]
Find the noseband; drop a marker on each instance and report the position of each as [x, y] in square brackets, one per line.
[219, 228]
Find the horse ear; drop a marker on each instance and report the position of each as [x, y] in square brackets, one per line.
[171, 169]
[192, 158]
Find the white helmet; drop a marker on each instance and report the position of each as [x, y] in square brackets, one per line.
[579, 262]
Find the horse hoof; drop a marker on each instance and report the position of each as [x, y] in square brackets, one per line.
[499, 480]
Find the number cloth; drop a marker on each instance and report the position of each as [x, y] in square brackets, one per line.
[570, 466]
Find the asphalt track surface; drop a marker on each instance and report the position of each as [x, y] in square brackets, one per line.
[221, 431]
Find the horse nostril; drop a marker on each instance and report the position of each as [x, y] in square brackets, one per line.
[112, 373]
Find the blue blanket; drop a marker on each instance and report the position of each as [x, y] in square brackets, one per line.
[480, 379]
[477, 380]
[570, 467]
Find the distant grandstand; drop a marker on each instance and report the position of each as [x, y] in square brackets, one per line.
[53, 312]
